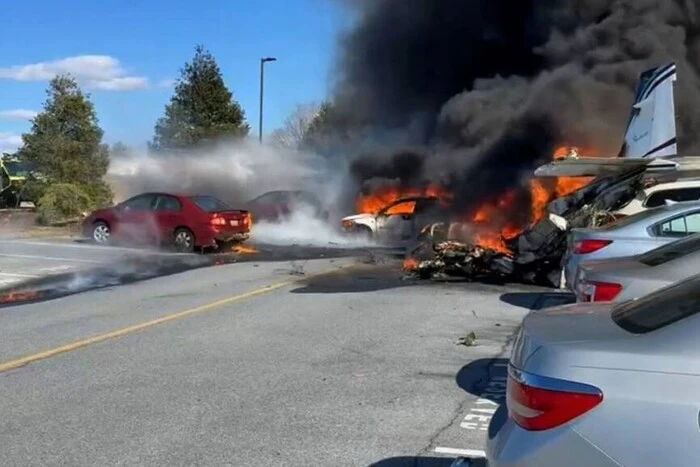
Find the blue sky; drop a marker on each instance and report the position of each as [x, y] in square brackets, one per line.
[125, 53]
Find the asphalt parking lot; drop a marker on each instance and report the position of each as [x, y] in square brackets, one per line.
[22, 259]
[333, 361]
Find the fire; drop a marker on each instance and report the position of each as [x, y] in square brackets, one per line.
[496, 227]
[410, 264]
[243, 249]
[379, 199]
[15, 297]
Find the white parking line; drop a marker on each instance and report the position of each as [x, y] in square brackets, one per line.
[49, 258]
[461, 452]
[12, 274]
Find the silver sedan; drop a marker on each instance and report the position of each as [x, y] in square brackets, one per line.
[620, 279]
[631, 235]
[604, 385]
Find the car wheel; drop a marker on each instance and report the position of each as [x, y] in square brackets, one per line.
[364, 234]
[183, 240]
[101, 233]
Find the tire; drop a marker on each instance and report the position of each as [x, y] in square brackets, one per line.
[101, 233]
[183, 240]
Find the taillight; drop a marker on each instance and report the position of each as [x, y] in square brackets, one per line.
[537, 403]
[584, 247]
[601, 291]
[218, 221]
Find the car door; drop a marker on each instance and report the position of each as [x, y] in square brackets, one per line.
[168, 215]
[395, 223]
[135, 220]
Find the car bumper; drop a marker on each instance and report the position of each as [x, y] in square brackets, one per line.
[213, 237]
[509, 445]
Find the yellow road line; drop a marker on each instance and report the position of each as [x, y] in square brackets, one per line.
[20, 362]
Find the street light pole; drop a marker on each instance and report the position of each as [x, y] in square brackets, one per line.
[262, 85]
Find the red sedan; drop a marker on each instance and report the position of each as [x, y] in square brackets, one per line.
[186, 222]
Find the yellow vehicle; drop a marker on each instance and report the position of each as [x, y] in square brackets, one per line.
[13, 175]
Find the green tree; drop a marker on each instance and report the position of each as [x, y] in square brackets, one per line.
[201, 110]
[118, 149]
[65, 140]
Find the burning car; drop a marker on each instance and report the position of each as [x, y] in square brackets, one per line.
[397, 221]
[185, 222]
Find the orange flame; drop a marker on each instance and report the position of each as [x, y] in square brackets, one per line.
[410, 264]
[379, 199]
[243, 249]
[15, 297]
[490, 214]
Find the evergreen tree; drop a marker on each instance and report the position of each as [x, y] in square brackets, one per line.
[65, 141]
[201, 110]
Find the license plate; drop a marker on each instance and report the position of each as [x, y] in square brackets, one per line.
[234, 223]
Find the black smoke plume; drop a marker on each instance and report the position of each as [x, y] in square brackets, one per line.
[491, 87]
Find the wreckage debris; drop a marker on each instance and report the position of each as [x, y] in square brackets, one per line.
[457, 259]
[533, 256]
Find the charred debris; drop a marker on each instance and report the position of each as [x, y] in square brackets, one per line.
[535, 255]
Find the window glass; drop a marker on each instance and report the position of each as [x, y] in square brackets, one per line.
[692, 222]
[168, 203]
[272, 197]
[659, 198]
[405, 207]
[659, 309]
[140, 203]
[210, 204]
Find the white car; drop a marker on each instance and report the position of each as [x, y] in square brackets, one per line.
[657, 195]
[398, 222]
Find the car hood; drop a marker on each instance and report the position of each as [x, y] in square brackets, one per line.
[357, 217]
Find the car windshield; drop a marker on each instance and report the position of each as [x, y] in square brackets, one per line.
[629, 220]
[16, 169]
[659, 309]
[671, 251]
[210, 204]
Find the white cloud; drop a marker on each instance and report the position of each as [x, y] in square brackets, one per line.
[17, 114]
[95, 71]
[10, 142]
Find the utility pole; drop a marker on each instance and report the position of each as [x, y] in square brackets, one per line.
[262, 86]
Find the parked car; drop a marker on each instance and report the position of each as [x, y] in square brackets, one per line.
[629, 277]
[398, 223]
[586, 380]
[186, 222]
[658, 195]
[630, 235]
[275, 206]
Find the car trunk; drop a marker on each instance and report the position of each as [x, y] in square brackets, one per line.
[231, 220]
[579, 323]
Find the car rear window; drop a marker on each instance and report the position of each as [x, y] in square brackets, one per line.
[629, 220]
[210, 204]
[659, 309]
[671, 251]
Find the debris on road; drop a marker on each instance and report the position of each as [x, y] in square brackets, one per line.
[469, 340]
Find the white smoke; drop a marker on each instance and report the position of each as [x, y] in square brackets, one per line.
[303, 228]
[237, 172]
